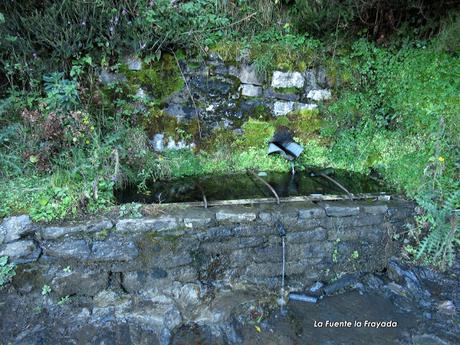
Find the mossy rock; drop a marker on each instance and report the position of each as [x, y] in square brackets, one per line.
[160, 79]
[157, 121]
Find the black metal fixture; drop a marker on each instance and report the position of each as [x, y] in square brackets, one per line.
[283, 143]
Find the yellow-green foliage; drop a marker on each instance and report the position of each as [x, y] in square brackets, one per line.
[304, 123]
[256, 133]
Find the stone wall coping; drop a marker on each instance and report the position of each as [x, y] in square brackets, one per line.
[160, 218]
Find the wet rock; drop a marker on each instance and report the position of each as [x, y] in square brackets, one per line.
[157, 142]
[55, 232]
[13, 228]
[287, 79]
[373, 282]
[20, 251]
[114, 250]
[165, 336]
[396, 289]
[73, 249]
[399, 274]
[271, 93]
[249, 90]
[341, 211]
[316, 288]
[345, 282]
[428, 339]
[447, 308]
[319, 95]
[235, 216]
[248, 75]
[146, 224]
[172, 318]
[281, 108]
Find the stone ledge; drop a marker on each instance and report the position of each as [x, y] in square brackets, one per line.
[237, 216]
[341, 211]
[55, 232]
[146, 224]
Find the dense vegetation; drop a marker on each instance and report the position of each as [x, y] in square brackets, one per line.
[66, 141]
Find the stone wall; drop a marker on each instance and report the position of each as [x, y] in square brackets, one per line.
[225, 94]
[169, 263]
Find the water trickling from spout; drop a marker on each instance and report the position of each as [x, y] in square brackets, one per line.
[282, 302]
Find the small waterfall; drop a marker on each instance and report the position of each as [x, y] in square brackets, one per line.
[282, 233]
[282, 301]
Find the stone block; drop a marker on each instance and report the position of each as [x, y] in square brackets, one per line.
[232, 244]
[316, 212]
[13, 228]
[355, 221]
[281, 108]
[287, 79]
[114, 250]
[87, 283]
[246, 230]
[375, 209]
[270, 93]
[249, 90]
[235, 216]
[73, 249]
[266, 217]
[20, 251]
[146, 224]
[318, 234]
[55, 232]
[319, 95]
[136, 281]
[248, 75]
[341, 211]
[312, 250]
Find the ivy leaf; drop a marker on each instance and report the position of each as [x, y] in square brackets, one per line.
[3, 260]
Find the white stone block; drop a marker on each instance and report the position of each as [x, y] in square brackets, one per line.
[287, 79]
[251, 90]
[281, 108]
